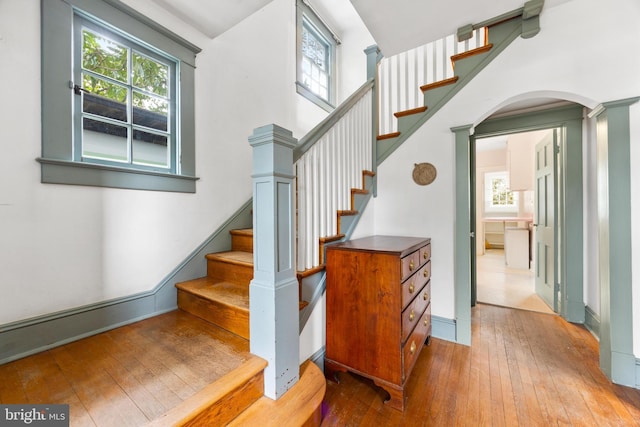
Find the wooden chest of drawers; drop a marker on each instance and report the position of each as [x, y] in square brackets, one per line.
[378, 309]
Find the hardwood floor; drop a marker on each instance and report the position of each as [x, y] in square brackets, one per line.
[127, 376]
[523, 369]
[507, 287]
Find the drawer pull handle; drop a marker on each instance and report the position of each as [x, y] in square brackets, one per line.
[413, 347]
[425, 296]
[412, 316]
[411, 265]
[426, 321]
[426, 273]
[426, 255]
[411, 288]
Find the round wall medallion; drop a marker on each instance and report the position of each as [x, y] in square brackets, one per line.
[424, 173]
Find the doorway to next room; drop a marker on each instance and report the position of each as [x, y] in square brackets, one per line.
[505, 220]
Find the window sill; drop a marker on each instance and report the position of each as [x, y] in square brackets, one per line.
[302, 90]
[55, 171]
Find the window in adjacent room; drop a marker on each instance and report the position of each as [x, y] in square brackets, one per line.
[316, 58]
[117, 99]
[498, 196]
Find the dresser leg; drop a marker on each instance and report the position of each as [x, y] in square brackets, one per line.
[428, 341]
[396, 396]
[331, 371]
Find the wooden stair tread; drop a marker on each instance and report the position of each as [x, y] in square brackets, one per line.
[299, 406]
[476, 51]
[388, 136]
[233, 257]
[347, 212]
[410, 112]
[228, 293]
[439, 83]
[217, 401]
[329, 239]
[242, 231]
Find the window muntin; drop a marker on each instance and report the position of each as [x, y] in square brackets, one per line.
[128, 106]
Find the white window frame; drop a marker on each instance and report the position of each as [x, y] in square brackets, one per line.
[488, 193]
[60, 162]
[307, 16]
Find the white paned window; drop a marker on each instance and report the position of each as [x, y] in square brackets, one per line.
[316, 58]
[498, 196]
[127, 107]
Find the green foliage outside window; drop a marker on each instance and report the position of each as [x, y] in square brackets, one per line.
[111, 68]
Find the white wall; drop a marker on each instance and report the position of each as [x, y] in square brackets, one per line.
[63, 247]
[582, 45]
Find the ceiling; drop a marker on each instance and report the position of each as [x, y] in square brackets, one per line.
[212, 18]
[396, 25]
[400, 25]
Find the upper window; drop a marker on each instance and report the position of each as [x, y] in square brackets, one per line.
[498, 196]
[316, 58]
[125, 119]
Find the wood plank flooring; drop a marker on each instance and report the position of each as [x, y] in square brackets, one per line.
[523, 369]
[127, 376]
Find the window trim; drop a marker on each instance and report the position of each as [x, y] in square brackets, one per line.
[57, 161]
[303, 11]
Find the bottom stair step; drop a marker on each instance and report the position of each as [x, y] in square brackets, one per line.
[221, 401]
[299, 406]
[224, 304]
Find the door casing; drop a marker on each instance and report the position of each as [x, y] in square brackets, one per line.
[569, 120]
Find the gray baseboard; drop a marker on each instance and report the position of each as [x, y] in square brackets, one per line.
[26, 337]
[592, 321]
[443, 328]
[638, 373]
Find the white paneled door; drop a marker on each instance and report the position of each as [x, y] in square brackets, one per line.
[545, 219]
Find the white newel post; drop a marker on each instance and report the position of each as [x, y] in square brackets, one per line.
[273, 293]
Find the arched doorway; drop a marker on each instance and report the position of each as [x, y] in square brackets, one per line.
[569, 273]
[611, 127]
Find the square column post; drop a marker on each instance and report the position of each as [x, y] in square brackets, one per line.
[273, 292]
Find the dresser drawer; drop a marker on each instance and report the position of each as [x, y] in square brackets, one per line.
[413, 313]
[415, 342]
[412, 286]
[410, 264]
[425, 271]
[425, 253]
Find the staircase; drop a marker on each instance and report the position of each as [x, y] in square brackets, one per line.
[222, 296]
[464, 66]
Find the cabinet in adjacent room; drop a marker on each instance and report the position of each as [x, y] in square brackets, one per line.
[378, 309]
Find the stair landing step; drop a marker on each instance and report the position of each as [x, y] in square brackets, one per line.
[299, 406]
[221, 401]
[227, 293]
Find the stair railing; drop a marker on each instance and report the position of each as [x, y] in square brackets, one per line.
[400, 76]
[328, 162]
